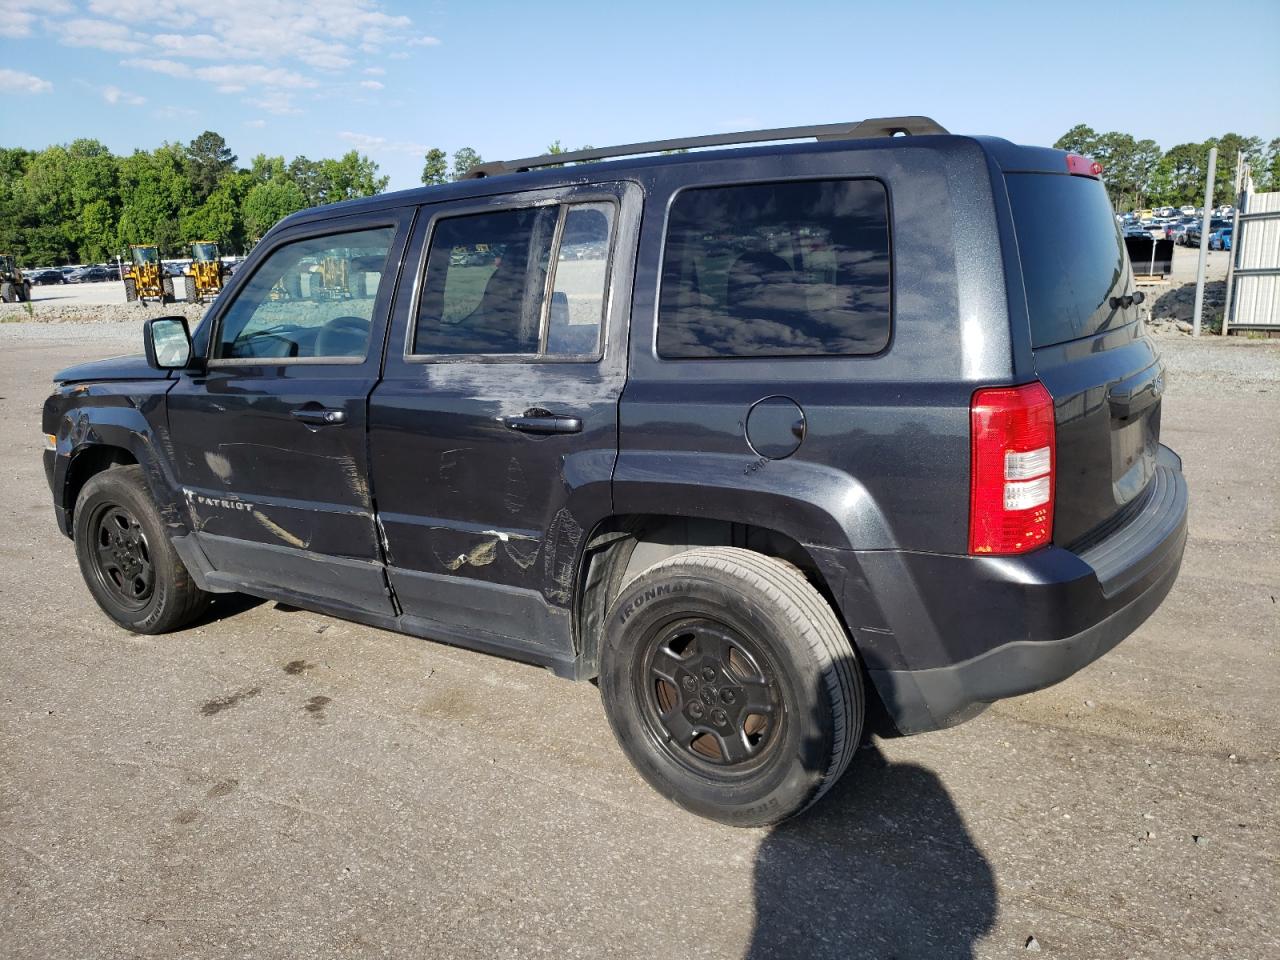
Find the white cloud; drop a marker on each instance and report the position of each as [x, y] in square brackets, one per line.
[371, 84]
[376, 144]
[99, 34]
[143, 12]
[18, 16]
[253, 74]
[256, 124]
[114, 95]
[275, 101]
[425, 41]
[170, 68]
[15, 81]
[374, 71]
[173, 113]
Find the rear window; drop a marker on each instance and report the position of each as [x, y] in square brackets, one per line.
[1072, 254]
[790, 269]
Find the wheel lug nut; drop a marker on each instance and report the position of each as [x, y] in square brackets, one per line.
[708, 674]
[728, 696]
[689, 683]
[719, 718]
[695, 710]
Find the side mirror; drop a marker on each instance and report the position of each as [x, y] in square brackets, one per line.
[1139, 297]
[167, 342]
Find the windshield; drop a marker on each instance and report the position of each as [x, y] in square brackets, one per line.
[204, 251]
[146, 254]
[1073, 257]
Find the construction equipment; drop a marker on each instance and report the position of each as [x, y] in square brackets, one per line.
[145, 279]
[207, 275]
[14, 287]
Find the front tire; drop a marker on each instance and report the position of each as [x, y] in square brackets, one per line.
[731, 685]
[126, 558]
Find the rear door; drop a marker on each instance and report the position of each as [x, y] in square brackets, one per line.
[269, 439]
[493, 433]
[1089, 348]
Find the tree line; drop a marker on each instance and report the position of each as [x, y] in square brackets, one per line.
[80, 203]
[1139, 174]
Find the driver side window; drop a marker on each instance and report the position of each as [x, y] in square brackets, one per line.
[310, 299]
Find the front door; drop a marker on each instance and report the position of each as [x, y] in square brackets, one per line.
[493, 433]
[271, 437]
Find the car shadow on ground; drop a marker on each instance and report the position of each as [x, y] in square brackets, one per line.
[882, 867]
[224, 605]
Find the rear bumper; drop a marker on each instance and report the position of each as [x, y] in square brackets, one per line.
[962, 632]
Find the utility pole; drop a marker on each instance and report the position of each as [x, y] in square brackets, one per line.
[1204, 240]
[1242, 174]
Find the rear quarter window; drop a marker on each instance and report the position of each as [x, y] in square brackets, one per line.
[1072, 254]
[790, 269]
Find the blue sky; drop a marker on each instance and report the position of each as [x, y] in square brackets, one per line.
[390, 78]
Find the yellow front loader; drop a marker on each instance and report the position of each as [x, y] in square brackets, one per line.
[207, 275]
[145, 278]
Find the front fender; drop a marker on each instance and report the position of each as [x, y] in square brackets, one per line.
[87, 420]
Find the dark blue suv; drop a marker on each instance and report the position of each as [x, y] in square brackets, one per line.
[756, 436]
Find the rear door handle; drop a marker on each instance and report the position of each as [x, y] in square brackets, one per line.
[544, 423]
[319, 416]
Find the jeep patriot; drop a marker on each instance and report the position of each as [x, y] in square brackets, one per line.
[756, 436]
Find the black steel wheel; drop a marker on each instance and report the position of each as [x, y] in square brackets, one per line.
[121, 560]
[126, 558]
[713, 700]
[731, 685]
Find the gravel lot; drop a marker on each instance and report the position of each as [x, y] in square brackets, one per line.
[275, 783]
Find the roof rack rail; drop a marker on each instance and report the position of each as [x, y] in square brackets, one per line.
[861, 130]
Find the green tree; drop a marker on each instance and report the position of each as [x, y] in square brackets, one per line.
[154, 191]
[1230, 145]
[1179, 176]
[266, 203]
[209, 159]
[263, 168]
[219, 218]
[310, 177]
[350, 176]
[464, 159]
[95, 199]
[435, 167]
[1266, 175]
[1079, 139]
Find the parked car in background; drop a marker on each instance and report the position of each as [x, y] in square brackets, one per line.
[47, 277]
[1220, 239]
[90, 275]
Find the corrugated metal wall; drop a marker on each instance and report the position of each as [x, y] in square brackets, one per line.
[1255, 299]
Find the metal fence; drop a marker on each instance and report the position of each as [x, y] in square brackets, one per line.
[1253, 283]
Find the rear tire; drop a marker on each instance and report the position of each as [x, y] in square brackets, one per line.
[130, 290]
[6, 292]
[190, 289]
[166, 290]
[126, 558]
[692, 648]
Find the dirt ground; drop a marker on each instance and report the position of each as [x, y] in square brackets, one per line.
[275, 783]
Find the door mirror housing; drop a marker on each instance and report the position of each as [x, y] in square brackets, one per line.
[167, 343]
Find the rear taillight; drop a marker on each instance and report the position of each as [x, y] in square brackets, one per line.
[1012, 464]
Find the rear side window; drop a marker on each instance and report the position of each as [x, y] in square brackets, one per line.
[489, 275]
[1072, 254]
[795, 269]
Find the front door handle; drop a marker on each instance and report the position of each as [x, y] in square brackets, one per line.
[319, 416]
[542, 422]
